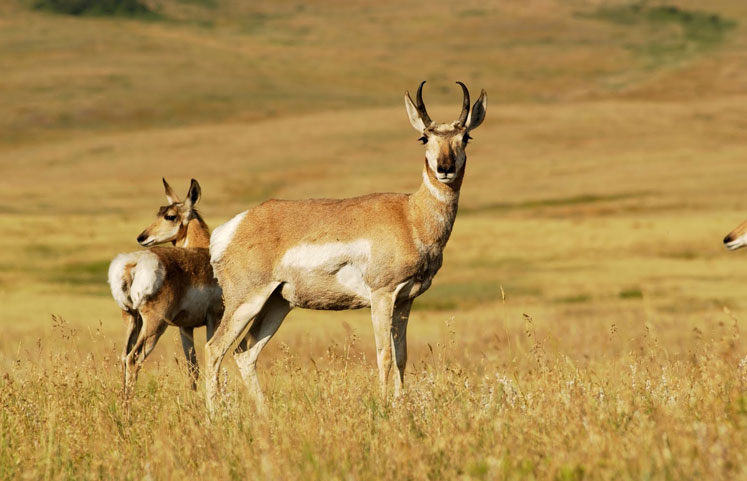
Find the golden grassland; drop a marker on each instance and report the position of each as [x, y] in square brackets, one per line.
[585, 325]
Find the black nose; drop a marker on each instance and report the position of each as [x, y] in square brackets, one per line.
[728, 239]
[446, 170]
[141, 238]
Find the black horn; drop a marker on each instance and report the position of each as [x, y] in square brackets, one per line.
[421, 106]
[465, 105]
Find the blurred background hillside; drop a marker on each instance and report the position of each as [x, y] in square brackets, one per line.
[610, 166]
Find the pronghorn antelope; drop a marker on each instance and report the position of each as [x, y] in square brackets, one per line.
[166, 286]
[736, 238]
[379, 251]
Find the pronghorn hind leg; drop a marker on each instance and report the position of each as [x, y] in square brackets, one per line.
[236, 317]
[382, 307]
[263, 328]
[188, 345]
[151, 330]
[132, 332]
[399, 342]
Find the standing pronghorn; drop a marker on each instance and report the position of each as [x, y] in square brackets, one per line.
[736, 238]
[379, 250]
[165, 286]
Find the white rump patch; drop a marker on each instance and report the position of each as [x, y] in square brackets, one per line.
[147, 278]
[222, 236]
[147, 275]
[117, 280]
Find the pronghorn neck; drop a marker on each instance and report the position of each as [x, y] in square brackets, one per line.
[434, 208]
[196, 234]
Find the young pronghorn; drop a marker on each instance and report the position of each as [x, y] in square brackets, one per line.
[379, 251]
[166, 286]
[736, 238]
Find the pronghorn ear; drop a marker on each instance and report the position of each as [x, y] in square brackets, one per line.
[412, 112]
[193, 196]
[170, 194]
[478, 112]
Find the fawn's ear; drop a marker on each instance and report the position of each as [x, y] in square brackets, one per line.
[170, 194]
[194, 194]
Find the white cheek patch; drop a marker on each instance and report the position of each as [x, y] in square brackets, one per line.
[431, 155]
[222, 237]
[432, 188]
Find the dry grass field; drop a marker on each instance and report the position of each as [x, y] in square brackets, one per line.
[587, 322]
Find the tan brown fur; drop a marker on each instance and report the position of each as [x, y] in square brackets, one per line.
[186, 293]
[378, 250]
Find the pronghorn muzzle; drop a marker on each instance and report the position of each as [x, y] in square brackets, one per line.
[734, 241]
[142, 238]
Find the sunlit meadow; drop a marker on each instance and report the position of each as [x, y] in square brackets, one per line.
[587, 322]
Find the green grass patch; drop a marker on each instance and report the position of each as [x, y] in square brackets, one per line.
[672, 32]
[575, 299]
[89, 277]
[117, 8]
[631, 293]
[445, 297]
[581, 199]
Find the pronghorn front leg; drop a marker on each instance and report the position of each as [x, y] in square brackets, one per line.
[382, 308]
[188, 345]
[399, 342]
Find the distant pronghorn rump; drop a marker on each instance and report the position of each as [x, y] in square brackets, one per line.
[166, 286]
[379, 251]
[736, 238]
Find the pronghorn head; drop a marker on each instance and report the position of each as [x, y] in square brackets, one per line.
[445, 143]
[171, 220]
[736, 238]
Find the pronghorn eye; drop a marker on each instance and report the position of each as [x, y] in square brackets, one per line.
[170, 218]
[466, 138]
[423, 140]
